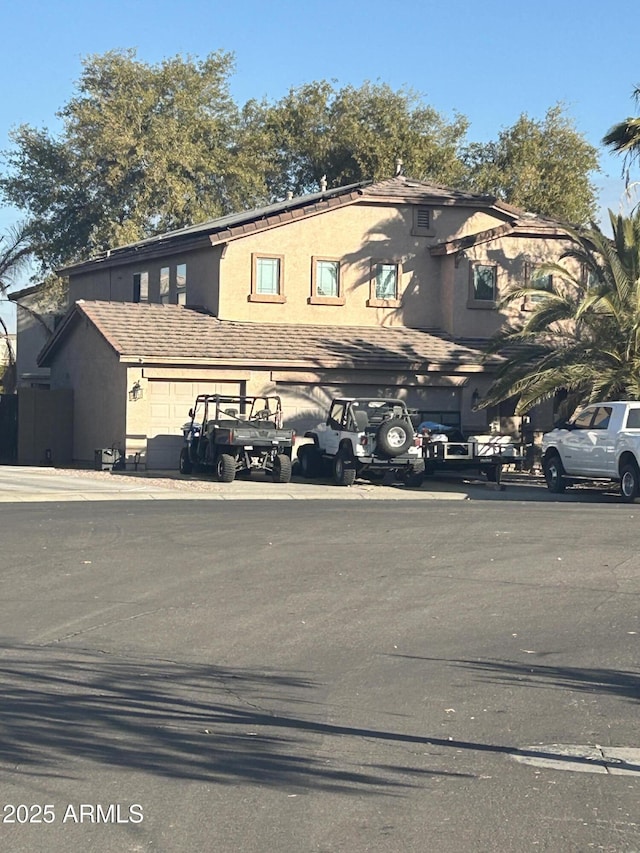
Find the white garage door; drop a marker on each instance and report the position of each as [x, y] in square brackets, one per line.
[170, 402]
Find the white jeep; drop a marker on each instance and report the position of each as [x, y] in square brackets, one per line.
[364, 437]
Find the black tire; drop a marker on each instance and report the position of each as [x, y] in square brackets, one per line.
[226, 468]
[394, 437]
[414, 480]
[554, 473]
[494, 473]
[186, 466]
[310, 461]
[629, 482]
[281, 469]
[344, 472]
[414, 477]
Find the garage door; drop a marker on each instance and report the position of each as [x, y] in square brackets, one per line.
[170, 402]
[306, 405]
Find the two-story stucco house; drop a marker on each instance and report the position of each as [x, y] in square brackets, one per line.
[374, 288]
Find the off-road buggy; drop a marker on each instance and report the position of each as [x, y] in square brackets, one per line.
[233, 434]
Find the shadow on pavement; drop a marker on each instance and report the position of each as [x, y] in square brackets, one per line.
[213, 724]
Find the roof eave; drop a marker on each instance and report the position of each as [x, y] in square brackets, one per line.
[203, 236]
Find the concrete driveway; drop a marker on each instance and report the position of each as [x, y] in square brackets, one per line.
[26, 484]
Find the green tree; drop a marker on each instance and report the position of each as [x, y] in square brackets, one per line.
[143, 149]
[353, 134]
[15, 250]
[624, 137]
[583, 335]
[541, 166]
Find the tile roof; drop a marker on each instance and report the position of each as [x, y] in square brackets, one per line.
[173, 334]
[399, 189]
[402, 188]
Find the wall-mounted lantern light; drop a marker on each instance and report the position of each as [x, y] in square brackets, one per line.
[136, 391]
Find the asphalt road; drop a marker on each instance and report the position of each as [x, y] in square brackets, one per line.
[333, 676]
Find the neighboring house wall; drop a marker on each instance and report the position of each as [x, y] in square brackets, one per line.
[88, 365]
[45, 426]
[33, 333]
[7, 363]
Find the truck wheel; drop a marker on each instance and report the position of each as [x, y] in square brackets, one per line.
[554, 473]
[629, 482]
[343, 474]
[394, 437]
[281, 469]
[310, 461]
[185, 462]
[414, 477]
[414, 480]
[226, 468]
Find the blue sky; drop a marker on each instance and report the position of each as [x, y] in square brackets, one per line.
[490, 61]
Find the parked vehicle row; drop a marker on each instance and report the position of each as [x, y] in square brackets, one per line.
[374, 437]
[366, 437]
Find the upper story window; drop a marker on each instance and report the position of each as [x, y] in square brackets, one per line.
[141, 287]
[483, 285]
[326, 287]
[541, 281]
[385, 284]
[267, 278]
[165, 285]
[181, 284]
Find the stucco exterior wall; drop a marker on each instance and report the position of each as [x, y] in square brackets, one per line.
[357, 235]
[88, 365]
[434, 290]
[32, 335]
[115, 284]
[510, 254]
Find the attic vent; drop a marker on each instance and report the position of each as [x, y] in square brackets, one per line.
[422, 217]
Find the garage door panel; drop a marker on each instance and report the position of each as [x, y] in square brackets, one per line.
[169, 404]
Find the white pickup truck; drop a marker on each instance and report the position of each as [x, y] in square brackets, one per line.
[602, 442]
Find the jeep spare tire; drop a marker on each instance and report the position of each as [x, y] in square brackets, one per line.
[394, 437]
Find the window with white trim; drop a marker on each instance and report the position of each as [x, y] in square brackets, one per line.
[326, 286]
[267, 278]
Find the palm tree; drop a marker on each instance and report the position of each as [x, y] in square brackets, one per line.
[583, 335]
[15, 249]
[624, 137]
